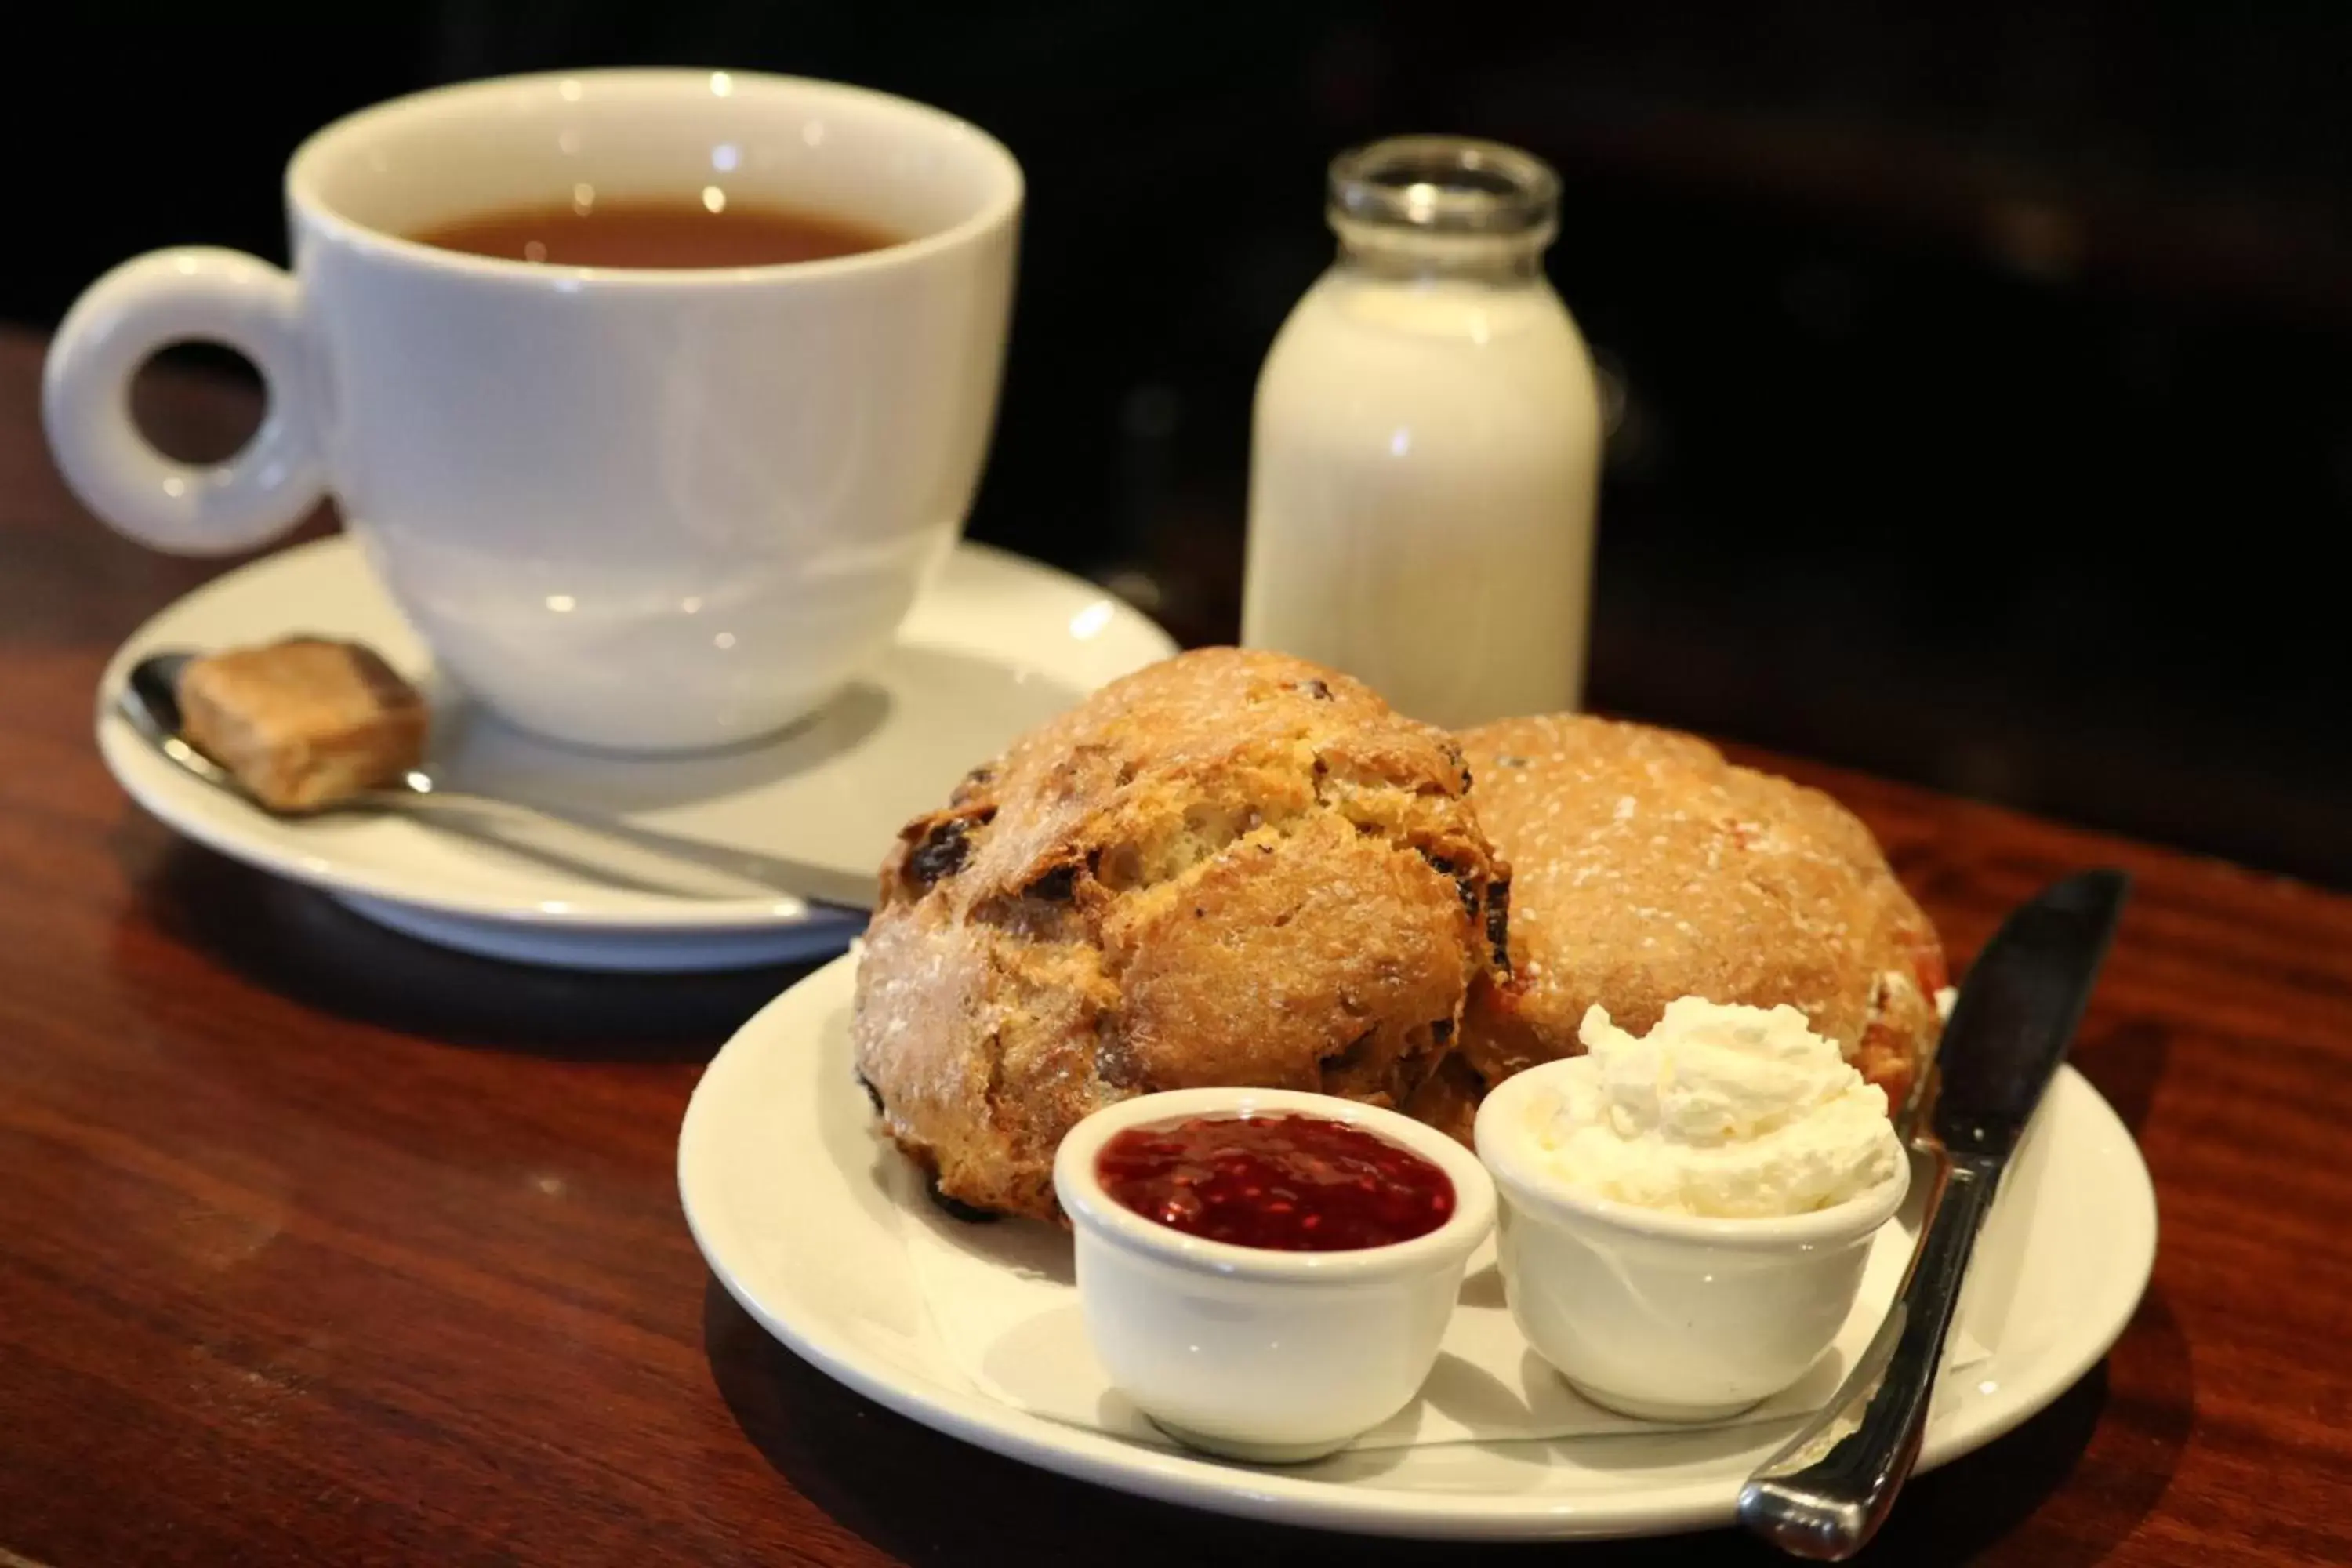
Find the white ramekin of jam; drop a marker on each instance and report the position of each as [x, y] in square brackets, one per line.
[1267, 1274]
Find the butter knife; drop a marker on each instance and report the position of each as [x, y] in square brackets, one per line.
[1827, 1491]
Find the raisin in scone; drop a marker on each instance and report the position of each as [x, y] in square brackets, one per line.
[1647, 868]
[1228, 868]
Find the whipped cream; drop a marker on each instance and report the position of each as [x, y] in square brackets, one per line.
[1730, 1111]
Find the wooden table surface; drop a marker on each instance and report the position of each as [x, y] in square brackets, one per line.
[319, 1244]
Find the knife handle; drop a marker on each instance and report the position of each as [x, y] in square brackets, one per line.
[1827, 1491]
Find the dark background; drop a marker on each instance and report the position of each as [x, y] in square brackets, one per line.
[1985, 375]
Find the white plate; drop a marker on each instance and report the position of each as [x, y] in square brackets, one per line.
[994, 645]
[790, 1197]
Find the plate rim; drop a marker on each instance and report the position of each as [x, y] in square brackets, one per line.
[157, 795]
[1270, 1495]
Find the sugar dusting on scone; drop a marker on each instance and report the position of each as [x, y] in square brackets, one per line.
[1648, 868]
[1229, 869]
[305, 722]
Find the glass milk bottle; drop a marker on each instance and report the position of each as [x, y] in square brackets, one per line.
[1427, 442]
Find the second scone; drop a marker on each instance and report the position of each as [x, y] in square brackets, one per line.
[1650, 867]
[1228, 868]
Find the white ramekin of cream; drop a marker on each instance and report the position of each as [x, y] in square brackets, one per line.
[1685, 1214]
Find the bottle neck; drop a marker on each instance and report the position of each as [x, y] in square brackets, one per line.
[1442, 209]
[1413, 257]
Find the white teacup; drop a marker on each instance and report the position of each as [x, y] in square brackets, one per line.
[644, 510]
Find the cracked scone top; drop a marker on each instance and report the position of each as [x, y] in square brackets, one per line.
[1231, 869]
[1648, 868]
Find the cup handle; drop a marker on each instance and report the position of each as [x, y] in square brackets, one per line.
[148, 304]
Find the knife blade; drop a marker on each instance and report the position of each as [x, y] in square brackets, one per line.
[2022, 1001]
[1830, 1488]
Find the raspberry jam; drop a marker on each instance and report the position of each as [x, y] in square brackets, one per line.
[1288, 1183]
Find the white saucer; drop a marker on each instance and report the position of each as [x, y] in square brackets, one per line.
[810, 1223]
[993, 646]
